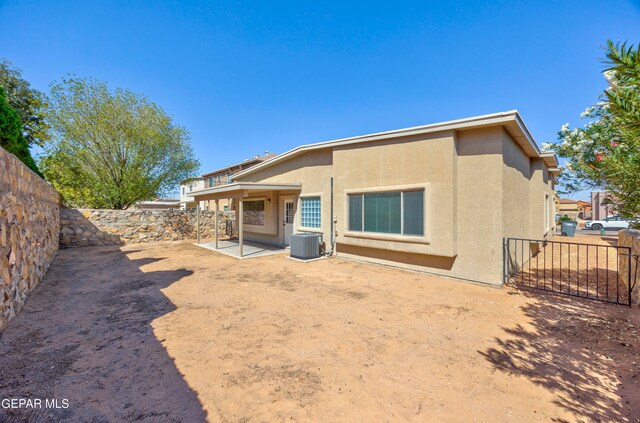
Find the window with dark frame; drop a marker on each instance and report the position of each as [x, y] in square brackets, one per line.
[393, 212]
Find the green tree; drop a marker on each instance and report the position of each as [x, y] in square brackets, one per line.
[11, 137]
[112, 148]
[28, 102]
[605, 153]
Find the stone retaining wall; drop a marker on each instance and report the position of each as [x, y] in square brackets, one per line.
[29, 228]
[630, 238]
[88, 227]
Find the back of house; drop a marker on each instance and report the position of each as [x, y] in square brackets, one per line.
[438, 198]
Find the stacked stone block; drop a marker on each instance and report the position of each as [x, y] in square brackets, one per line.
[89, 227]
[29, 228]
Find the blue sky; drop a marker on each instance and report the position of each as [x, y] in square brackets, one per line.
[244, 77]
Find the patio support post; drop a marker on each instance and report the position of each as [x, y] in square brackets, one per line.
[240, 219]
[216, 223]
[198, 222]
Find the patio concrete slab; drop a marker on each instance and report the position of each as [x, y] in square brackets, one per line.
[251, 249]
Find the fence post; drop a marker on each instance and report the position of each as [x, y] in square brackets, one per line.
[630, 240]
[504, 261]
[629, 277]
[198, 221]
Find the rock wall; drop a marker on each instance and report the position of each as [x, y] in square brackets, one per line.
[630, 238]
[254, 218]
[87, 227]
[29, 228]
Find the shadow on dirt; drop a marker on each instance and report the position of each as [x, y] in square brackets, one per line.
[84, 335]
[584, 351]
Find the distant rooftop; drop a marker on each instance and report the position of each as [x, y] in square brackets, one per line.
[160, 201]
[569, 200]
[242, 165]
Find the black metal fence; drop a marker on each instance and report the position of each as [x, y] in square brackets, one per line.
[599, 272]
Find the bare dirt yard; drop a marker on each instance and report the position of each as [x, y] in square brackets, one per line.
[171, 332]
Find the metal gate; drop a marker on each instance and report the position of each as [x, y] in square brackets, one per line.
[599, 272]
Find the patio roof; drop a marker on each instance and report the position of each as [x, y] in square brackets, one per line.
[241, 189]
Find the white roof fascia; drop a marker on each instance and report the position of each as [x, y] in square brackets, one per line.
[239, 186]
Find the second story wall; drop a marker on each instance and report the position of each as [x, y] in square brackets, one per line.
[187, 187]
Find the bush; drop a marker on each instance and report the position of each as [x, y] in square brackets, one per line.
[565, 218]
[11, 137]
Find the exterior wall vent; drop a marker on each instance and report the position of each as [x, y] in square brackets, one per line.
[305, 246]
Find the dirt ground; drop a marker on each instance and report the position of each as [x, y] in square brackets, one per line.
[173, 332]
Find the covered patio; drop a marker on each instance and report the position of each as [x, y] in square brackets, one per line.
[250, 249]
[241, 192]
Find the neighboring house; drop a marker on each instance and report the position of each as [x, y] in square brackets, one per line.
[574, 208]
[213, 179]
[187, 186]
[225, 176]
[159, 204]
[437, 198]
[568, 205]
[601, 205]
[584, 209]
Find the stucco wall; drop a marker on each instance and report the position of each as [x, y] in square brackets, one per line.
[479, 205]
[314, 171]
[525, 182]
[516, 189]
[89, 227]
[479, 184]
[426, 162]
[541, 184]
[463, 175]
[29, 226]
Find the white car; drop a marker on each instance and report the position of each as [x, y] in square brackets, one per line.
[613, 222]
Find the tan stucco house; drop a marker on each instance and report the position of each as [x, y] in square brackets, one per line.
[575, 209]
[216, 178]
[438, 198]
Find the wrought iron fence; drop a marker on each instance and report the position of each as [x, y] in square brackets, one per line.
[594, 271]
